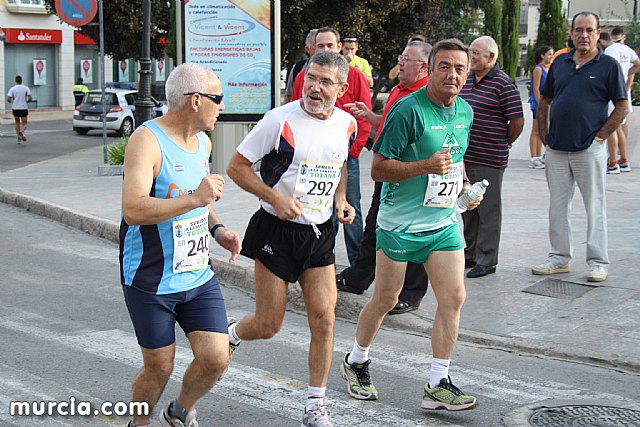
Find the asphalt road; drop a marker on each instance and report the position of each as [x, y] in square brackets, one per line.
[45, 140]
[66, 333]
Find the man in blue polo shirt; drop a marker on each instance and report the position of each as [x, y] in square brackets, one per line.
[497, 123]
[579, 86]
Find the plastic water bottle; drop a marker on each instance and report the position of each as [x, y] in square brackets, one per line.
[474, 193]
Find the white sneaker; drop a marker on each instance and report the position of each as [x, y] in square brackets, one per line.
[535, 163]
[598, 274]
[613, 170]
[318, 416]
[549, 267]
[625, 167]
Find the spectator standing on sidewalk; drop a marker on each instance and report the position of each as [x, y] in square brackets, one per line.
[303, 147]
[164, 245]
[413, 75]
[419, 152]
[19, 95]
[310, 49]
[358, 90]
[630, 65]
[497, 122]
[349, 49]
[543, 58]
[574, 122]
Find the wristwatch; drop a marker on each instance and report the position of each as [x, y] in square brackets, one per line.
[599, 140]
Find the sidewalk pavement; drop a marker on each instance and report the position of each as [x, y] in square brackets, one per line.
[602, 326]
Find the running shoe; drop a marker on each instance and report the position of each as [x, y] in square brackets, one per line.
[625, 167]
[232, 347]
[318, 416]
[535, 163]
[167, 420]
[358, 380]
[446, 396]
[613, 170]
[549, 267]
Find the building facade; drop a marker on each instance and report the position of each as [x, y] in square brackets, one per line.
[49, 55]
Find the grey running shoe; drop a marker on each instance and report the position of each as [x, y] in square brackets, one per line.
[358, 380]
[232, 347]
[167, 420]
[318, 416]
[446, 396]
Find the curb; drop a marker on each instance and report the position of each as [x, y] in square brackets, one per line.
[239, 274]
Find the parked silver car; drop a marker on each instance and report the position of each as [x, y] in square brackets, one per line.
[120, 107]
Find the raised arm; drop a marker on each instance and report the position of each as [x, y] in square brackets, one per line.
[141, 164]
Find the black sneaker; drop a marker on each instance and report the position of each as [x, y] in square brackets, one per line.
[343, 287]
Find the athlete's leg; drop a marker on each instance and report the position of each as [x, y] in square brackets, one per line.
[446, 273]
[271, 301]
[211, 358]
[152, 378]
[23, 124]
[320, 296]
[389, 281]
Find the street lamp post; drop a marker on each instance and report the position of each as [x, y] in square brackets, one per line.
[144, 106]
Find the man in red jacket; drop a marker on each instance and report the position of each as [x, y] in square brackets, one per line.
[358, 91]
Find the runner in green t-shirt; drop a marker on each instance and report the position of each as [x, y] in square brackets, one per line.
[418, 156]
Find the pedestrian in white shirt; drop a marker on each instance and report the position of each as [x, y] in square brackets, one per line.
[19, 95]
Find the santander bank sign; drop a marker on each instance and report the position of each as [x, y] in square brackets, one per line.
[25, 35]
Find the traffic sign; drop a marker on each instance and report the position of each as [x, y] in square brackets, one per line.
[76, 12]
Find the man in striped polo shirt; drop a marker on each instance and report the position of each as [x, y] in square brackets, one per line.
[497, 123]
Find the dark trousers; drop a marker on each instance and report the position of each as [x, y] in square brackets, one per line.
[482, 225]
[361, 273]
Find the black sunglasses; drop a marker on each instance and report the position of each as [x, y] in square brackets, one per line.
[217, 98]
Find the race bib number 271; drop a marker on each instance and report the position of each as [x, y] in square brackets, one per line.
[442, 190]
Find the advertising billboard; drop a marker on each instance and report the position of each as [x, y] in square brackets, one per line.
[234, 38]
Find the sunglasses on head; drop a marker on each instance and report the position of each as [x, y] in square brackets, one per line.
[217, 98]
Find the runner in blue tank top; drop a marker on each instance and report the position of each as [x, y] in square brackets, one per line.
[164, 245]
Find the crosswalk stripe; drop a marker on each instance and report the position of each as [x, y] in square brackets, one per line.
[283, 395]
[488, 382]
[18, 385]
[256, 387]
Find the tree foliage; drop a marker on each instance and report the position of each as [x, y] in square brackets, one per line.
[552, 28]
[123, 27]
[492, 18]
[382, 26]
[509, 45]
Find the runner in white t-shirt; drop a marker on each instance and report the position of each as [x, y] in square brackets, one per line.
[19, 95]
[302, 148]
[630, 64]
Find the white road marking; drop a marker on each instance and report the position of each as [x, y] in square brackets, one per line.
[256, 387]
[18, 385]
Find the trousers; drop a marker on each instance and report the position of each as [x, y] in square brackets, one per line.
[361, 273]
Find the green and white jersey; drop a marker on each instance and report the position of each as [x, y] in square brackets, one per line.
[414, 130]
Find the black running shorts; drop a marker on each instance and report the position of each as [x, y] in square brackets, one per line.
[287, 248]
